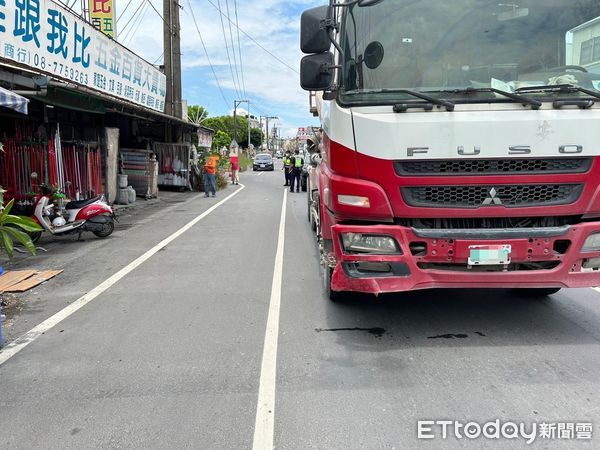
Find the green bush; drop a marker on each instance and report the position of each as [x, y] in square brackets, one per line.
[222, 181]
[245, 162]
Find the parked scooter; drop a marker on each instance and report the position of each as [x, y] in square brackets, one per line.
[77, 216]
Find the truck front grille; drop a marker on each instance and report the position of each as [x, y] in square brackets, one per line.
[479, 223]
[511, 196]
[493, 166]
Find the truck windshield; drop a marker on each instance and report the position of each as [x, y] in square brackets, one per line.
[454, 49]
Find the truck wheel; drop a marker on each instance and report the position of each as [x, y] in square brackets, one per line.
[313, 220]
[308, 208]
[334, 296]
[538, 292]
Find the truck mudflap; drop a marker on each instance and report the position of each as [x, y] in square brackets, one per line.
[502, 258]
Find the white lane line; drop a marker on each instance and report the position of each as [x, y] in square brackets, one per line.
[265, 409]
[23, 341]
[597, 289]
[259, 174]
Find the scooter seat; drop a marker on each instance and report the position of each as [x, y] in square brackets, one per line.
[78, 204]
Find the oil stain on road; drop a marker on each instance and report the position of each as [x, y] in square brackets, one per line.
[376, 331]
[454, 336]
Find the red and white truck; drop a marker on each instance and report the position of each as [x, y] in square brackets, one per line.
[460, 143]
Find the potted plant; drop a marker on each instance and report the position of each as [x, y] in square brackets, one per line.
[15, 228]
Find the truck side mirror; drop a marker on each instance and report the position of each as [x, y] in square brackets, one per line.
[312, 145]
[315, 159]
[316, 72]
[314, 34]
[365, 3]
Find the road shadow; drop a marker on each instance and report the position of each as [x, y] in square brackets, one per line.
[456, 317]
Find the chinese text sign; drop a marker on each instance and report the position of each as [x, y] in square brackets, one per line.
[50, 39]
[102, 16]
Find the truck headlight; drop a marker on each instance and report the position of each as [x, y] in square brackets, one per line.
[354, 200]
[592, 243]
[370, 243]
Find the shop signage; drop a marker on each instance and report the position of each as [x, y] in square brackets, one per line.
[102, 16]
[205, 138]
[302, 134]
[42, 35]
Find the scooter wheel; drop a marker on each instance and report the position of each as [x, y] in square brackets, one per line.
[106, 231]
[35, 236]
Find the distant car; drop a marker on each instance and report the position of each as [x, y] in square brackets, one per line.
[263, 161]
[279, 154]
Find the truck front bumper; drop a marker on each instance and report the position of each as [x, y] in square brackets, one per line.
[541, 257]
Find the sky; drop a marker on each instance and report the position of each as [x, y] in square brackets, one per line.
[272, 88]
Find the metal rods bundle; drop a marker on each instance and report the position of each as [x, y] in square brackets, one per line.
[75, 169]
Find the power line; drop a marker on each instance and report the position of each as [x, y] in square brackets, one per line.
[234, 52]
[136, 25]
[239, 48]
[206, 53]
[227, 48]
[159, 58]
[254, 40]
[124, 10]
[134, 15]
[161, 16]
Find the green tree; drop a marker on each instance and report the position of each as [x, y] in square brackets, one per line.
[256, 137]
[220, 139]
[225, 124]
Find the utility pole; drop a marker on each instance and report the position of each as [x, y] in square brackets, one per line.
[172, 47]
[85, 9]
[236, 103]
[168, 48]
[267, 118]
[249, 124]
[176, 28]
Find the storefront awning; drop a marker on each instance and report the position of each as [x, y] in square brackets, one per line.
[14, 101]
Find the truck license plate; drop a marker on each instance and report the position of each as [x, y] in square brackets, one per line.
[489, 255]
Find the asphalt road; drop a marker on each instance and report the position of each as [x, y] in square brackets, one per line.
[172, 354]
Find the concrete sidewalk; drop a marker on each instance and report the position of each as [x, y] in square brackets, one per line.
[88, 258]
[142, 203]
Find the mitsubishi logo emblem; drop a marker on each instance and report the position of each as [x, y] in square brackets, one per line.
[492, 199]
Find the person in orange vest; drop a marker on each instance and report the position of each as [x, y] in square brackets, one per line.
[210, 176]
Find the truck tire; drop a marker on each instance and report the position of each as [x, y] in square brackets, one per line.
[538, 292]
[308, 208]
[332, 295]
